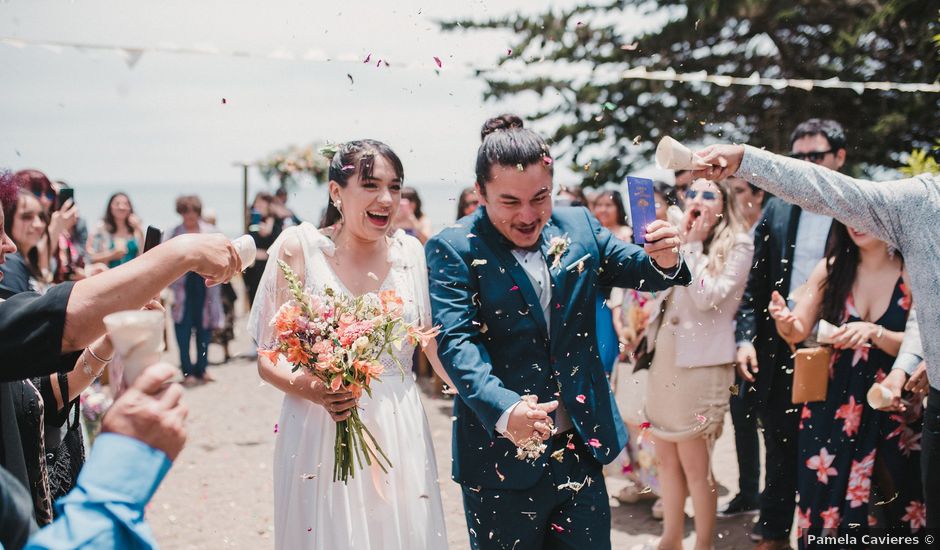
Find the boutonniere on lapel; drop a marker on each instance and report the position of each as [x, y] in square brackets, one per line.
[557, 247]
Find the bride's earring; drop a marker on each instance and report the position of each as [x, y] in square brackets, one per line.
[338, 204]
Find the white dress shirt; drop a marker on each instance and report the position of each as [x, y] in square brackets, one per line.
[811, 234]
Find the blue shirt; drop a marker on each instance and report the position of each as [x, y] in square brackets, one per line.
[106, 507]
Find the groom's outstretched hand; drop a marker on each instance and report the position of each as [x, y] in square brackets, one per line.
[662, 243]
[530, 419]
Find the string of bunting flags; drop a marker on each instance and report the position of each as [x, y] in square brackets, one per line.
[132, 56]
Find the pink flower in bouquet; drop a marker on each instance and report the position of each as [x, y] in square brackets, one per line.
[345, 319]
[352, 332]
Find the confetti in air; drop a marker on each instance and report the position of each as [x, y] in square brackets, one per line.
[437, 60]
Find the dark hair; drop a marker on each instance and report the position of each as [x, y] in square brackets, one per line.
[355, 157]
[767, 194]
[8, 188]
[188, 202]
[617, 199]
[667, 191]
[411, 194]
[109, 223]
[507, 143]
[464, 201]
[573, 190]
[829, 129]
[842, 258]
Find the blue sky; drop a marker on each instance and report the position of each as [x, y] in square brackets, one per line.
[87, 117]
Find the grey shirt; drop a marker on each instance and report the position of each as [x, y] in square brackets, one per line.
[904, 213]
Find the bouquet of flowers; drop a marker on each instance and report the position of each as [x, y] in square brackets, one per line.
[339, 340]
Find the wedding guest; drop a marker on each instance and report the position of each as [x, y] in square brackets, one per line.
[692, 365]
[57, 253]
[264, 227]
[570, 195]
[859, 287]
[281, 211]
[410, 217]
[468, 202]
[665, 196]
[788, 242]
[744, 405]
[223, 336]
[609, 210]
[40, 335]
[196, 309]
[119, 237]
[902, 213]
[25, 224]
[683, 179]
[142, 434]
[751, 200]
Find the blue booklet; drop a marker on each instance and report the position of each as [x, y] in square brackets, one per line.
[642, 206]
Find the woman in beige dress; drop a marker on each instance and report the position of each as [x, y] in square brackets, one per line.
[691, 372]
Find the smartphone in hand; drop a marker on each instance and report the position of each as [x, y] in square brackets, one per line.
[64, 195]
[153, 238]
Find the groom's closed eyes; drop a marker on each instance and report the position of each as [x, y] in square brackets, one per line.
[511, 200]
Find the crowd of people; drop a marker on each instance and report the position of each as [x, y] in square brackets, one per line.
[762, 252]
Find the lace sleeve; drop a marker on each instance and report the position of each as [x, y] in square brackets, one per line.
[272, 290]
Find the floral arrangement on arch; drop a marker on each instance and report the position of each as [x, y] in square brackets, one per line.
[287, 165]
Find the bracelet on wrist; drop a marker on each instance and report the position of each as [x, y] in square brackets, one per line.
[100, 360]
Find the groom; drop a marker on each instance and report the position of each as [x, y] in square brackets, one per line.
[513, 288]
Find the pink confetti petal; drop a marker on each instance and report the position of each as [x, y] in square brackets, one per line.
[275, 428]
[508, 51]
[224, 101]
[514, 287]
[558, 528]
[593, 442]
[580, 399]
[367, 59]
[701, 418]
[645, 425]
[437, 60]
[547, 160]
[570, 446]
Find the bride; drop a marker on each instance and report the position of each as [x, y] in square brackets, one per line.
[400, 509]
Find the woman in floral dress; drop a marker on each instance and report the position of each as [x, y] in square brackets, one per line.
[859, 468]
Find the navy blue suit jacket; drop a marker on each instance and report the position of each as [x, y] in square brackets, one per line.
[495, 346]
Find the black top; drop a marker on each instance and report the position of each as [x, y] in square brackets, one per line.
[31, 328]
[16, 276]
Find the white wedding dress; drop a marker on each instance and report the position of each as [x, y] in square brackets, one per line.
[374, 510]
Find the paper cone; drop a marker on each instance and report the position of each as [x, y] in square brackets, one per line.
[879, 396]
[247, 250]
[672, 155]
[137, 337]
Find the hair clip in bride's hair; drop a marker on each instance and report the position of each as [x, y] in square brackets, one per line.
[330, 149]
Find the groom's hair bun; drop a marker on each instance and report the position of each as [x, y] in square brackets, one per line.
[507, 143]
[501, 122]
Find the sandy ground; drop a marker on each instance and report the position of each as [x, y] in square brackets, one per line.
[219, 492]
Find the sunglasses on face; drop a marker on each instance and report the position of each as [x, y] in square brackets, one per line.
[812, 156]
[706, 195]
[48, 193]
